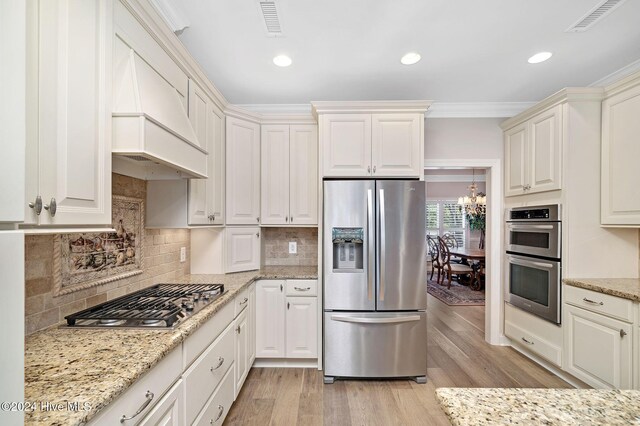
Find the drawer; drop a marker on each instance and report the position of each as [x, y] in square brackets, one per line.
[152, 385]
[615, 307]
[241, 301]
[219, 404]
[207, 372]
[207, 333]
[533, 343]
[302, 288]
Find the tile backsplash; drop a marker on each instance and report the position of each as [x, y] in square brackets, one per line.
[161, 255]
[275, 246]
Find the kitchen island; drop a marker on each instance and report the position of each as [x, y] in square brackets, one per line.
[89, 368]
[498, 406]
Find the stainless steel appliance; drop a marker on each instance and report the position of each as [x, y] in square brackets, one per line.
[374, 273]
[158, 306]
[534, 266]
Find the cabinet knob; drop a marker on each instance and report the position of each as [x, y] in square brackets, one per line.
[281, 288]
[258, 219]
[291, 219]
[238, 330]
[286, 218]
[213, 217]
[368, 169]
[622, 333]
[52, 207]
[37, 205]
[374, 169]
[288, 305]
[258, 234]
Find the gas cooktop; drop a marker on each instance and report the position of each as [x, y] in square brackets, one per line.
[158, 306]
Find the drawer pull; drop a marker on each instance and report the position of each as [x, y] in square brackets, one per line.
[302, 289]
[220, 413]
[593, 302]
[244, 301]
[622, 333]
[527, 341]
[149, 397]
[220, 362]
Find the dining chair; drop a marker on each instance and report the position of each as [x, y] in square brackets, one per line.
[452, 243]
[433, 257]
[449, 268]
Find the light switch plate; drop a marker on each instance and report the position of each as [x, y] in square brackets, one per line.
[293, 247]
[183, 254]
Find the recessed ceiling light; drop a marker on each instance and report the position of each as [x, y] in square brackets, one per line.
[410, 58]
[282, 60]
[539, 57]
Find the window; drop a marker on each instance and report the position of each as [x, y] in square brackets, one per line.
[445, 216]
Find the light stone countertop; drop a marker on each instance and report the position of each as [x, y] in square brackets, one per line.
[95, 366]
[628, 288]
[562, 407]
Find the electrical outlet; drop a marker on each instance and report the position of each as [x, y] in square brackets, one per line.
[183, 254]
[293, 247]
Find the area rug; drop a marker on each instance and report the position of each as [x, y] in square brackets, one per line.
[457, 295]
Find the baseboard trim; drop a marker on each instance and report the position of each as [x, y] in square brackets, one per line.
[576, 383]
[285, 363]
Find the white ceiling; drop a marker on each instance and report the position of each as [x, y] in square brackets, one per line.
[472, 51]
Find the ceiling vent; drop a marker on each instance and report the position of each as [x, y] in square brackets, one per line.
[271, 20]
[596, 14]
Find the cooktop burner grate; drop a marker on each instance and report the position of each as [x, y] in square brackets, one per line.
[160, 305]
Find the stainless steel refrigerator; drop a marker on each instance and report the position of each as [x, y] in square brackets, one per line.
[374, 276]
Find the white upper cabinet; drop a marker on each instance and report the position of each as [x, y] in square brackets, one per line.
[275, 174]
[69, 176]
[620, 195]
[395, 144]
[289, 175]
[533, 154]
[346, 144]
[243, 172]
[242, 248]
[371, 139]
[206, 196]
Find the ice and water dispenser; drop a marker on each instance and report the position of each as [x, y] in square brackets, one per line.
[348, 249]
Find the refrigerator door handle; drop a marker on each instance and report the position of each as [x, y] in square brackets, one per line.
[382, 243]
[370, 320]
[370, 246]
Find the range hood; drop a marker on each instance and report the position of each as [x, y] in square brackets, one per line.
[152, 135]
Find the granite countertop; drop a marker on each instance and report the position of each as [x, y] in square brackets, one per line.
[628, 288]
[492, 406]
[95, 366]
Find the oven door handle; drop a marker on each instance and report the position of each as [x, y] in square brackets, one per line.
[530, 263]
[529, 227]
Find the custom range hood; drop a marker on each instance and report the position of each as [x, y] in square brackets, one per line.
[152, 135]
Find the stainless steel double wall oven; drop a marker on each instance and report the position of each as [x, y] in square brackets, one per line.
[534, 267]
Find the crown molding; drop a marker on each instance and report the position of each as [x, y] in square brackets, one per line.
[277, 108]
[477, 109]
[623, 84]
[569, 94]
[172, 15]
[272, 114]
[618, 75]
[370, 107]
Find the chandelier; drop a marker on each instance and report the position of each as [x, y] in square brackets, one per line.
[476, 199]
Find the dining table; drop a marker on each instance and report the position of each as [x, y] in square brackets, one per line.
[474, 257]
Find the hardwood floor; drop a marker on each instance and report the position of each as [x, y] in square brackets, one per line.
[457, 356]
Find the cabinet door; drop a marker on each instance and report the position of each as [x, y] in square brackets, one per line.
[270, 319]
[395, 145]
[74, 157]
[545, 153]
[252, 324]
[346, 145]
[243, 172]
[598, 348]
[243, 248]
[274, 145]
[620, 152]
[515, 178]
[303, 177]
[302, 327]
[216, 180]
[242, 351]
[169, 410]
[198, 195]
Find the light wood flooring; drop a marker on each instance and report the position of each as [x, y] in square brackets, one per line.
[457, 356]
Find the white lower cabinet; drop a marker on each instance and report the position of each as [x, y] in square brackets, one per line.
[169, 410]
[242, 366]
[599, 349]
[286, 319]
[252, 323]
